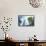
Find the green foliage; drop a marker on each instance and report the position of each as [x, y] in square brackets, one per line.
[30, 19]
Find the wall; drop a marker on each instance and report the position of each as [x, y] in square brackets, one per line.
[13, 8]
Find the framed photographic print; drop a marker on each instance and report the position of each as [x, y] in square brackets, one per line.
[25, 20]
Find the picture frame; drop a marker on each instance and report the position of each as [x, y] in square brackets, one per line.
[26, 20]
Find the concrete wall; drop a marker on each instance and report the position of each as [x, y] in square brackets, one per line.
[13, 8]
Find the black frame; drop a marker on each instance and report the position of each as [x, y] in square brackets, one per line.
[33, 20]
